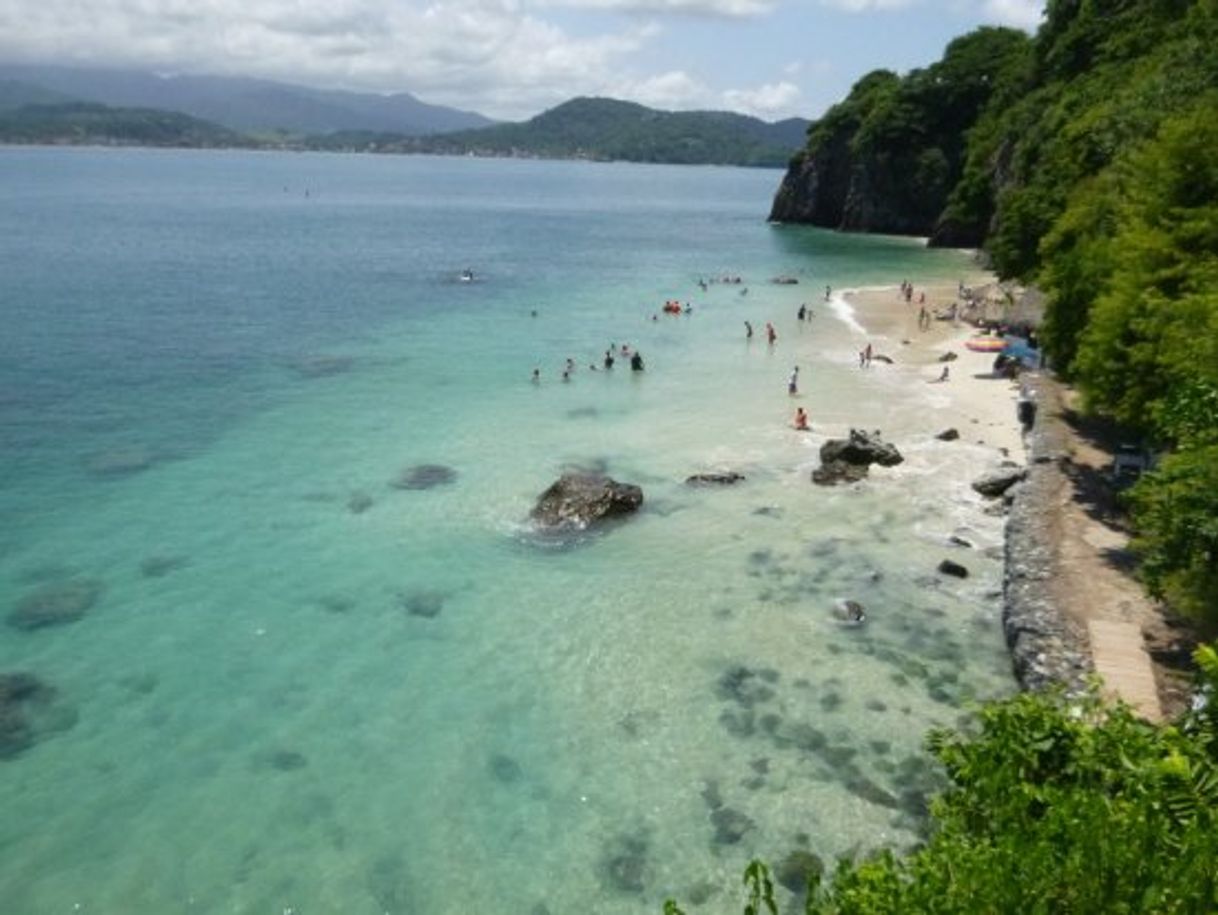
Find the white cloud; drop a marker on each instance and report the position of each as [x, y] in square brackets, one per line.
[768, 101]
[675, 90]
[727, 8]
[1024, 14]
[492, 55]
[864, 6]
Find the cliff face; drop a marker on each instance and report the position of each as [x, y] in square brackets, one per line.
[834, 189]
[887, 157]
[815, 188]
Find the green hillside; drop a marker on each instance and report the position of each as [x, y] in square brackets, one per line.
[80, 123]
[608, 130]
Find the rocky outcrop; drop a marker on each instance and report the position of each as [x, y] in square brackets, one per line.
[578, 500]
[846, 460]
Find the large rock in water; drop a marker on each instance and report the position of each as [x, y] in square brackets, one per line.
[578, 500]
[845, 460]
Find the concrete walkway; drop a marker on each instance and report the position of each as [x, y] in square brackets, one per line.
[1120, 658]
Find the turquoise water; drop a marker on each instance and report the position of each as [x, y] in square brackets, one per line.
[214, 365]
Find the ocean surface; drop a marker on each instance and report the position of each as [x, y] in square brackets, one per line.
[283, 684]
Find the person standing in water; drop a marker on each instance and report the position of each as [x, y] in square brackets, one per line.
[636, 362]
[801, 420]
[770, 335]
[748, 330]
[793, 382]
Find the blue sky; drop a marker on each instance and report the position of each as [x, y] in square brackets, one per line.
[511, 59]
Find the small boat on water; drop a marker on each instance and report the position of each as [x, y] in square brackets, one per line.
[466, 276]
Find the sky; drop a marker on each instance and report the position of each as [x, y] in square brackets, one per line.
[512, 59]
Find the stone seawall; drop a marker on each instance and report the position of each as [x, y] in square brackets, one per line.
[1047, 647]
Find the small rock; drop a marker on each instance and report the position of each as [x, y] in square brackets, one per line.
[947, 567]
[948, 435]
[959, 541]
[948, 357]
[725, 478]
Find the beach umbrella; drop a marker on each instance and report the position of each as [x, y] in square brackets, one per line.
[986, 344]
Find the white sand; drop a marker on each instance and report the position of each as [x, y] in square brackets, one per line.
[981, 405]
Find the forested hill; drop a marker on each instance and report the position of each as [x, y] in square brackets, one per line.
[1084, 159]
[610, 130]
[86, 123]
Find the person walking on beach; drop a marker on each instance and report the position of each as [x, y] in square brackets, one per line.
[793, 382]
[801, 420]
[867, 356]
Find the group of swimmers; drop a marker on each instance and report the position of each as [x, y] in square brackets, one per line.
[609, 360]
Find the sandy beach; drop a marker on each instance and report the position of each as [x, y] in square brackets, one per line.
[977, 402]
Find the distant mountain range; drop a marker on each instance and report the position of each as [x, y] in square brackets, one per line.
[45, 104]
[242, 104]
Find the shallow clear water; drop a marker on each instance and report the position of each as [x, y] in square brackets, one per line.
[210, 360]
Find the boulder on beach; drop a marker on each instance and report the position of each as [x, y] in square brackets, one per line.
[948, 435]
[577, 500]
[880, 357]
[724, 478]
[845, 460]
[997, 482]
[948, 357]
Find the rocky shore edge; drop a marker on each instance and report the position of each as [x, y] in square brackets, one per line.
[1047, 648]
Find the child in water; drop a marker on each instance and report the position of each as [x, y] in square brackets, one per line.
[801, 420]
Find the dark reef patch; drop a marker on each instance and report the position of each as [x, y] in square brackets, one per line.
[55, 603]
[424, 476]
[160, 566]
[28, 712]
[624, 865]
[730, 825]
[425, 604]
[505, 769]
